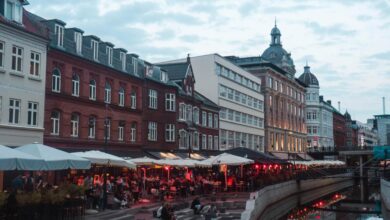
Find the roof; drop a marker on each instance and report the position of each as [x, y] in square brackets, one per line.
[308, 78]
[205, 100]
[176, 71]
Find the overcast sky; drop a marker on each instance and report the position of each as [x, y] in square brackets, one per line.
[346, 42]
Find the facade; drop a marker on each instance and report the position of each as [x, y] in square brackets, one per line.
[319, 115]
[237, 93]
[367, 135]
[93, 93]
[351, 132]
[198, 117]
[284, 96]
[339, 129]
[382, 125]
[23, 46]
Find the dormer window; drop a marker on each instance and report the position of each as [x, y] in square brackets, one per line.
[13, 10]
[78, 39]
[164, 76]
[59, 31]
[123, 60]
[109, 54]
[95, 49]
[135, 65]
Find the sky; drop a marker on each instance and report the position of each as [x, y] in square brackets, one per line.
[346, 42]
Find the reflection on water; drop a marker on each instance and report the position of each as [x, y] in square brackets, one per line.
[346, 205]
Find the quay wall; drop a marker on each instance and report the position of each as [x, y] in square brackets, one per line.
[275, 201]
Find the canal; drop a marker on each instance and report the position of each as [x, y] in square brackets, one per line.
[361, 201]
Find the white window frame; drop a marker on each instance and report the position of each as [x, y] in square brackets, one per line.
[78, 39]
[75, 85]
[32, 113]
[121, 129]
[74, 125]
[107, 124]
[216, 121]
[92, 89]
[35, 61]
[109, 51]
[55, 123]
[135, 65]
[210, 142]
[152, 99]
[170, 133]
[152, 131]
[195, 141]
[133, 97]
[183, 142]
[2, 49]
[216, 142]
[189, 112]
[122, 56]
[121, 94]
[196, 115]
[59, 31]
[92, 127]
[210, 120]
[182, 111]
[133, 132]
[17, 59]
[95, 49]
[56, 81]
[16, 11]
[107, 93]
[204, 142]
[170, 102]
[204, 119]
[14, 111]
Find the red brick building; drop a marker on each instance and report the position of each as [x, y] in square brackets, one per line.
[339, 129]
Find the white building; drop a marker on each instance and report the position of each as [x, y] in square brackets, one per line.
[382, 124]
[23, 49]
[237, 92]
[319, 115]
[367, 135]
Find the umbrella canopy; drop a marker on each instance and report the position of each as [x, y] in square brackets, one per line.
[177, 162]
[101, 158]
[225, 159]
[255, 155]
[55, 159]
[143, 161]
[319, 162]
[11, 159]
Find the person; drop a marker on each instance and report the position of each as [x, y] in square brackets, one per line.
[11, 206]
[196, 206]
[17, 183]
[167, 212]
[213, 212]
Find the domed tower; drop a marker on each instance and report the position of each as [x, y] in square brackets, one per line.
[277, 55]
[313, 86]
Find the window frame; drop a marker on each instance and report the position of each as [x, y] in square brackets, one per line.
[170, 133]
[122, 57]
[92, 89]
[109, 51]
[35, 64]
[152, 131]
[75, 85]
[92, 127]
[170, 102]
[74, 125]
[56, 81]
[133, 132]
[95, 49]
[78, 39]
[133, 97]
[32, 113]
[2, 52]
[17, 59]
[107, 93]
[60, 35]
[14, 117]
[153, 98]
[55, 123]
[210, 142]
[121, 94]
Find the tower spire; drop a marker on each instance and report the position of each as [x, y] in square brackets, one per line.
[275, 22]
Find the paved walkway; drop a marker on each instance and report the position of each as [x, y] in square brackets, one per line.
[231, 204]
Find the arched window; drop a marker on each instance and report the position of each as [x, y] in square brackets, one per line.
[74, 125]
[133, 132]
[107, 93]
[121, 97]
[92, 127]
[92, 89]
[133, 100]
[107, 124]
[55, 122]
[75, 85]
[56, 81]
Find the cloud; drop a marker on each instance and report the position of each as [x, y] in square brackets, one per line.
[384, 56]
[335, 29]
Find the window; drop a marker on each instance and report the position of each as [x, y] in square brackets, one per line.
[1, 54]
[121, 129]
[75, 85]
[109, 54]
[92, 127]
[122, 56]
[78, 39]
[121, 97]
[55, 122]
[135, 65]
[107, 124]
[14, 111]
[196, 115]
[215, 142]
[270, 82]
[164, 76]
[152, 99]
[133, 100]
[189, 113]
[59, 31]
[32, 114]
[34, 63]
[222, 113]
[204, 141]
[74, 125]
[133, 132]
[95, 49]
[314, 115]
[222, 91]
[92, 89]
[107, 93]
[170, 133]
[210, 120]
[13, 11]
[210, 142]
[17, 59]
[56, 81]
[223, 139]
[183, 139]
[170, 102]
[182, 111]
[204, 118]
[152, 131]
[195, 143]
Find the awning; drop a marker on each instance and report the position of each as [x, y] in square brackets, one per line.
[11, 159]
[225, 159]
[177, 162]
[281, 155]
[254, 155]
[164, 155]
[143, 161]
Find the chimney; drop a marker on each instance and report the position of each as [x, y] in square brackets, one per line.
[384, 105]
[329, 102]
[321, 98]
[339, 105]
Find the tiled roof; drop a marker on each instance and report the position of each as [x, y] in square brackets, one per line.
[176, 71]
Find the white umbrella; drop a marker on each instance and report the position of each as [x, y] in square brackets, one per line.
[11, 159]
[101, 158]
[55, 159]
[177, 162]
[143, 161]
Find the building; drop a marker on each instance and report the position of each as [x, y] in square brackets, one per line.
[351, 140]
[198, 117]
[237, 93]
[23, 46]
[382, 125]
[367, 135]
[284, 96]
[93, 93]
[319, 115]
[339, 129]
